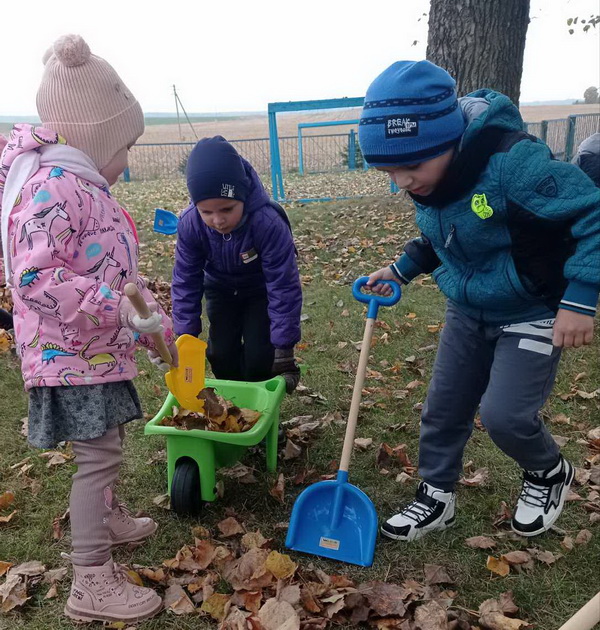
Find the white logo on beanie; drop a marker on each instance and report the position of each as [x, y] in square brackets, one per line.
[227, 190]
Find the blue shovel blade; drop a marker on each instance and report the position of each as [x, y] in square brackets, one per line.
[165, 222]
[336, 520]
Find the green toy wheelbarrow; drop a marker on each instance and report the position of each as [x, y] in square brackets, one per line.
[194, 456]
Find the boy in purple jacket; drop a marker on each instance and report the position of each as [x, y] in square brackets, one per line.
[235, 247]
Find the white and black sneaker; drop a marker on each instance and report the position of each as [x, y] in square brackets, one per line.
[542, 498]
[432, 510]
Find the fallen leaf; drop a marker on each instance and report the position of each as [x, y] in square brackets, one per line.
[242, 473]
[498, 566]
[134, 577]
[31, 568]
[435, 574]
[561, 440]
[583, 537]
[277, 491]
[547, 557]
[55, 458]
[498, 621]
[431, 616]
[480, 542]
[200, 532]
[4, 567]
[362, 444]
[162, 501]
[280, 565]
[478, 478]
[278, 615]
[385, 599]
[560, 418]
[8, 518]
[6, 498]
[215, 605]
[52, 592]
[249, 572]
[253, 540]
[177, 601]
[292, 450]
[13, 592]
[516, 557]
[567, 543]
[290, 594]
[230, 527]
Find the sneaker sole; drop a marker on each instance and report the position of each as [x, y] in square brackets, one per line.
[558, 512]
[125, 541]
[421, 532]
[90, 615]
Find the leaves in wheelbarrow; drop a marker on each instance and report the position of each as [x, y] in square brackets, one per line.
[219, 414]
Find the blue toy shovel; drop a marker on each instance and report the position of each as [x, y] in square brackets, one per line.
[165, 221]
[335, 519]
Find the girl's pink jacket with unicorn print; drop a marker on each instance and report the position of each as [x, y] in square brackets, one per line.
[72, 250]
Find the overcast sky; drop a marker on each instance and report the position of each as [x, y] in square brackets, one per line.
[238, 55]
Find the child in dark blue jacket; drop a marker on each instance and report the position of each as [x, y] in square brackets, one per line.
[512, 238]
[235, 247]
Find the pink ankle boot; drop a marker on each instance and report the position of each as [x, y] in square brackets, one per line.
[103, 594]
[125, 529]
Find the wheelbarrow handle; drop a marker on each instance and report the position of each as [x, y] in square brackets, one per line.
[372, 299]
[137, 299]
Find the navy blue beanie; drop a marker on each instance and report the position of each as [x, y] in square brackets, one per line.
[411, 114]
[215, 169]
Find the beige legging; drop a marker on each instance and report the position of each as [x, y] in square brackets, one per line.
[92, 498]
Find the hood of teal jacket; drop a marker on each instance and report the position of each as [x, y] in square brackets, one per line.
[501, 113]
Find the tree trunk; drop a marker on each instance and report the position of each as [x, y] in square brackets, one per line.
[480, 43]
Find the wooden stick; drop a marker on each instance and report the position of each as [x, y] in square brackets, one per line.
[365, 350]
[137, 299]
[585, 618]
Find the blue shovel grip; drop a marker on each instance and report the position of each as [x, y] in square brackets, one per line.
[372, 299]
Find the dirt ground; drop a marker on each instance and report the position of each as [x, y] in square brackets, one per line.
[287, 124]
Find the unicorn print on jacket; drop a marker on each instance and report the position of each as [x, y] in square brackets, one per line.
[72, 249]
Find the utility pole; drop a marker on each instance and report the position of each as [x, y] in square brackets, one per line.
[177, 110]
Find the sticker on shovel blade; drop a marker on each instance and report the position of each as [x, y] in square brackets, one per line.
[189, 375]
[329, 543]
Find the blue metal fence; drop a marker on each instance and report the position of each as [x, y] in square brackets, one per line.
[328, 153]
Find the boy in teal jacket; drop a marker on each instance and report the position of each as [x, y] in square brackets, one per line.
[512, 238]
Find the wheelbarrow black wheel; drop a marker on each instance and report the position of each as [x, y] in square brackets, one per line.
[186, 497]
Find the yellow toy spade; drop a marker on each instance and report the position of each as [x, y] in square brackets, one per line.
[187, 379]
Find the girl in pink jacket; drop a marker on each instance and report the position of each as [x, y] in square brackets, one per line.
[69, 249]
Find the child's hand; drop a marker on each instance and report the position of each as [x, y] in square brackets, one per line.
[285, 365]
[382, 274]
[572, 330]
[129, 317]
[157, 360]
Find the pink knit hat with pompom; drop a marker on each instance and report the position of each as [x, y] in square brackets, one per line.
[83, 99]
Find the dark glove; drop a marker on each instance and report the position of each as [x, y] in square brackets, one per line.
[286, 366]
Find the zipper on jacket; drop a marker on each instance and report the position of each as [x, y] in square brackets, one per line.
[452, 236]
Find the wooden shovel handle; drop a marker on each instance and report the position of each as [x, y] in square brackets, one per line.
[585, 618]
[137, 299]
[361, 371]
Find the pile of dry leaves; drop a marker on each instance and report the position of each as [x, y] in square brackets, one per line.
[239, 581]
[219, 415]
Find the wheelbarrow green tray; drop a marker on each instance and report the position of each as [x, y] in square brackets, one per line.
[200, 452]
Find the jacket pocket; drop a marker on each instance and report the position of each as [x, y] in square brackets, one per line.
[516, 283]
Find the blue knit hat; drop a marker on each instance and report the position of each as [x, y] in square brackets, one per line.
[215, 169]
[410, 115]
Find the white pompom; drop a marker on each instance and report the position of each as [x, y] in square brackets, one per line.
[71, 50]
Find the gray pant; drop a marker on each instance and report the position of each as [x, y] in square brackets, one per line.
[510, 371]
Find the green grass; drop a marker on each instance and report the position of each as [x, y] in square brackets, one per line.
[335, 247]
